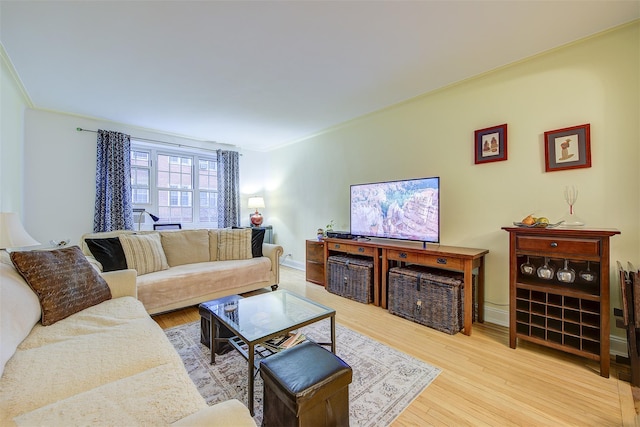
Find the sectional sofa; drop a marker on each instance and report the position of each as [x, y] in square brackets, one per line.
[78, 348]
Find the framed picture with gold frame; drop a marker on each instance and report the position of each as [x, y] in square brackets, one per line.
[491, 144]
[568, 148]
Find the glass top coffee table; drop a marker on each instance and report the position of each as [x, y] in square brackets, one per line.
[259, 318]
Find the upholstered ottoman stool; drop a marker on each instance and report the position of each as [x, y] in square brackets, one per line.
[306, 385]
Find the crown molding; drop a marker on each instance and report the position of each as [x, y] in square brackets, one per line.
[16, 78]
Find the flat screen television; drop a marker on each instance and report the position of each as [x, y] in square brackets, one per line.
[406, 209]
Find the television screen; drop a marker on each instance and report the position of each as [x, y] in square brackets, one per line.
[407, 209]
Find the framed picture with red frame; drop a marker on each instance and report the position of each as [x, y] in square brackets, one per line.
[567, 148]
[491, 144]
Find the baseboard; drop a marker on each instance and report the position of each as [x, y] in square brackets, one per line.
[287, 262]
[496, 316]
[618, 345]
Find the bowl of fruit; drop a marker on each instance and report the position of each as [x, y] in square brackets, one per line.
[536, 222]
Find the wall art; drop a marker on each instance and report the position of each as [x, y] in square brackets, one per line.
[491, 144]
[568, 148]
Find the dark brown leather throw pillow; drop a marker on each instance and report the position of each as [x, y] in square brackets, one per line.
[63, 279]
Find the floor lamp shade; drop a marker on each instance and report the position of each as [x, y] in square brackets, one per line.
[12, 233]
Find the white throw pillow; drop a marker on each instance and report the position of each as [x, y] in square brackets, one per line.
[19, 311]
[234, 244]
[144, 252]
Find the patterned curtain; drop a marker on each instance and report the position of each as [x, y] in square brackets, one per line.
[228, 189]
[113, 210]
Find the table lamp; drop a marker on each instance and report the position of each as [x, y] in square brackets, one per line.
[12, 233]
[256, 217]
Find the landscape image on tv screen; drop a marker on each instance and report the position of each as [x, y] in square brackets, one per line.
[406, 209]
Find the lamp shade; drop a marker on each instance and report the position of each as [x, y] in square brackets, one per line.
[256, 202]
[12, 233]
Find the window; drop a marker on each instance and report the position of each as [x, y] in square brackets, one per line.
[175, 188]
[166, 183]
[208, 184]
[140, 173]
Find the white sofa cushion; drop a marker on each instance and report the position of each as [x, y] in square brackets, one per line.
[185, 282]
[185, 246]
[153, 397]
[111, 361]
[19, 311]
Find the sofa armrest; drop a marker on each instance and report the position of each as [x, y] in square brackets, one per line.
[223, 414]
[273, 252]
[122, 283]
[94, 263]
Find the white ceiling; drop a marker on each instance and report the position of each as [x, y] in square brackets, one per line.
[259, 74]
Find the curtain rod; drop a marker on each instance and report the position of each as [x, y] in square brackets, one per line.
[155, 140]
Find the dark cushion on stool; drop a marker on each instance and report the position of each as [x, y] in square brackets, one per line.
[304, 376]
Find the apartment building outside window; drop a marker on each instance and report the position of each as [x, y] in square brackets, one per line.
[140, 173]
[208, 186]
[176, 185]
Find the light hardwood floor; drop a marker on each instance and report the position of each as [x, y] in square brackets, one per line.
[483, 381]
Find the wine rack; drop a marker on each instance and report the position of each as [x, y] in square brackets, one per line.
[559, 319]
[559, 290]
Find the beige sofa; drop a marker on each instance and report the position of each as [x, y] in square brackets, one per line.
[194, 266]
[108, 364]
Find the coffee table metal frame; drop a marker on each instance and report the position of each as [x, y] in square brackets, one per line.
[258, 318]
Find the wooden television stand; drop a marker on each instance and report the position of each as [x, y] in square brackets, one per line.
[397, 252]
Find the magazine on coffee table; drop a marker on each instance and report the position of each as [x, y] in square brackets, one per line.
[283, 342]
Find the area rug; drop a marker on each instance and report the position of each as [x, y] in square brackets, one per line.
[385, 381]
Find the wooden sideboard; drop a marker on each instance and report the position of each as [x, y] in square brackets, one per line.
[387, 253]
[315, 262]
[559, 290]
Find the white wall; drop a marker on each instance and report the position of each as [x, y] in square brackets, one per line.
[13, 102]
[60, 172]
[595, 81]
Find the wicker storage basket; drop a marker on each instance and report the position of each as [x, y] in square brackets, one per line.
[351, 277]
[427, 296]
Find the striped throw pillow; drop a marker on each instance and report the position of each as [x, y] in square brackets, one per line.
[144, 252]
[234, 244]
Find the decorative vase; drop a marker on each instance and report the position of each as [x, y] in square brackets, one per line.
[571, 219]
